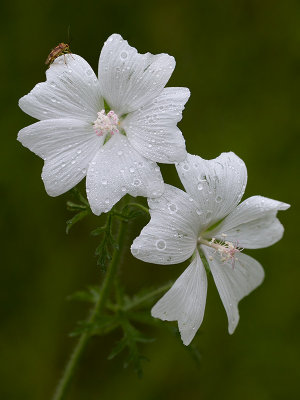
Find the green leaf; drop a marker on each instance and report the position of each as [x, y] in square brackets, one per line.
[130, 340]
[77, 217]
[119, 346]
[75, 207]
[103, 325]
[90, 295]
[98, 231]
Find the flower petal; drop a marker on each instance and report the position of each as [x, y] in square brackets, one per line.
[71, 90]
[128, 79]
[185, 301]
[171, 235]
[66, 145]
[152, 129]
[216, 185]
[253, 224]
[118, 169]
[234, 281]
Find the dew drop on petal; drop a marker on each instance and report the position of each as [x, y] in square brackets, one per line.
[136, 182]
[124, 55]
[172, 208]
[160, 244]
[218, 199]
[104, 181]
[208, 215]
[200, 186]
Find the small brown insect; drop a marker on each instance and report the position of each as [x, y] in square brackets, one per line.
[60, 49]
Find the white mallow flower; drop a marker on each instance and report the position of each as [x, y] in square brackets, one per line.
[117, 148]
[206, 222]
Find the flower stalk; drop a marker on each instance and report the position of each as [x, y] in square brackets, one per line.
[62, 388]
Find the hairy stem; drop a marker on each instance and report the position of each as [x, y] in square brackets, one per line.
[61, 390]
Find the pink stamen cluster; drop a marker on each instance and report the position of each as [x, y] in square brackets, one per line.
[106, 124]
[226, 249]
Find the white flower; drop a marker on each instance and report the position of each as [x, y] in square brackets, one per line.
[207, 222]
[117, 150]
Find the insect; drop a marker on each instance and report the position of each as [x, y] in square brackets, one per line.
[60, 49]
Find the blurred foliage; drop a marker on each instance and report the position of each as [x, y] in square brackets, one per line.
[241, 60]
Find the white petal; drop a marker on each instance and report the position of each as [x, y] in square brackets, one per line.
[71, 90]
[216, 185]
[66, 145]
[118, 169]
[152, 129]
[253, 224]
[234, 281]
[128, 79]
[171, 235]
[185, 301]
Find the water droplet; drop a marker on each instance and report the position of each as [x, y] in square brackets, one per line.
[73, 162]
[53, 99]
[78, 151]
[160, 244]
[124, 55]
[186, 167]
[157, 169]
[199, 212]
[200, 186]
[123, 188]
[89, 72]
[172, 208]
[208, 215]
[136, 182]
[106, 201]
[120, 152]
[131, 169]
[135, 251]
[104, 181]
[218, 199]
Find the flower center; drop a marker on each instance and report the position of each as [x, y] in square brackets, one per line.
[226, 249]
[106, 124]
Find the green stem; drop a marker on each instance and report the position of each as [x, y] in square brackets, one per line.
[66, 379]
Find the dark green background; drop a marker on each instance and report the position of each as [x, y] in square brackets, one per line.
[241, 61]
